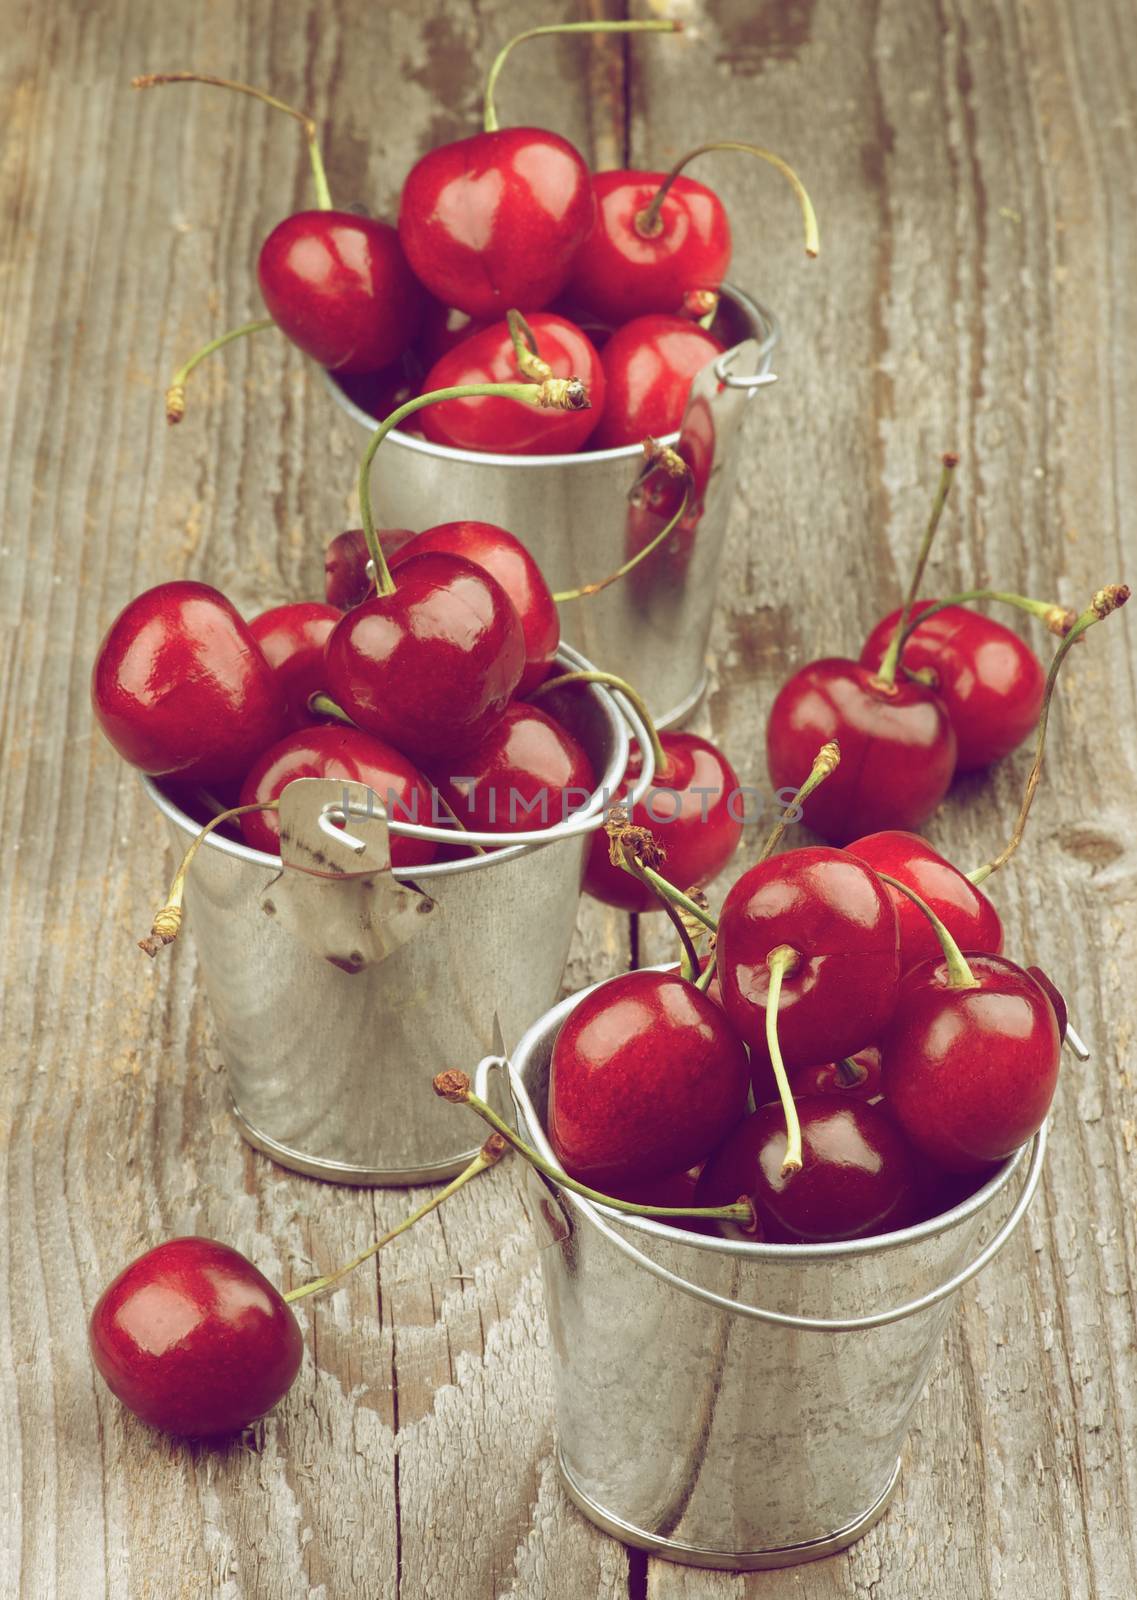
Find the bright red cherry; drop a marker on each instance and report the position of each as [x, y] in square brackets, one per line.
[489, 423]
[969, 1073]
[693, 811]
[991, 683]
[526, 773]
[345, 754]
[431, 667]
[856, 1077]
[194, 1340]
[897, 748]
[967, 913]
[857, 1179]
[647, 1076]
[648, 368]
[346, 583]
[180, 687]
[292, 639]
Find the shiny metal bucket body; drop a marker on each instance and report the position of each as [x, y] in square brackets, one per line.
[329, 1071]
[572, 512]
[739, 1406]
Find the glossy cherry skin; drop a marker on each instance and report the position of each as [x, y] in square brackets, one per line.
[991, 683]
[339, 286]
[430, 668]
[620, 273]
[834, 1077]
[506, 559]
[1055, 996]
[506, 426]
[647, 1076]
[194, 1340]
[335, 751]
[897, 748]
[648, 368]
[526, 773]
[964, 910]
[692, 810]
[970, 1073]
[180, 687]
[346, 583]
[857, 1178]
[839, 918]
[292, 639]
[495, 221]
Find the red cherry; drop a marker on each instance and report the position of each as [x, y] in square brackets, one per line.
[494, 221]
[991, 683]
[692, 810]
[490, 423]
[443, 329]
[528, 772]
[647, 1076]
[857, 1179]
[346, 583]
[648, 368]
[621, 272]
[292, 639]
[970, 1073]
[506, 559]
[857, 1077]
[1054, 995]
[431, 667]
[194, 1340]
[839, 918]
[380, 393]
[967, 914]
[897, 748]
[673, 1189]
[339, 286]
[346, 754]
[180, 686]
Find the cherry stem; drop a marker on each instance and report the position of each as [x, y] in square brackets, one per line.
[887, 673]
[658, 461]
[169, 919]
[689, 959]
[703, 981]
[322, 705]
[632, 695]
[648, 222]
[1106, 600]
[825, 762]
[668, 891]
[850, 1073]
[1059, 619]
[490, 121]
[530, 361]
[555, 394]
[176, 393]
[784, 958]
[488, 1156]
[455, 1087]
[960, 975]
[153, 80]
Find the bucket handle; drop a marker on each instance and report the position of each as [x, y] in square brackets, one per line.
[780, 1319]
[768, 325]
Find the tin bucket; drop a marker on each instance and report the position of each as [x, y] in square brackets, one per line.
[339, 989]
[730, 1405]
[572, 512]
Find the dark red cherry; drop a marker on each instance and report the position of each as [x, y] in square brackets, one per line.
[857, 1077]
[490, 423]
[694, 812]
[857, 1178]
[346, 583]
[292, 639]
[495, 221]
[506, 559]
[897, 748]
[443, 329]
[621, 272]
[838, 916]
[345, 754]
[673, 1189]
[380, 393]
[526, 773]
[180, 687]
[990, 681]
[648, 368]
[647, 1076]
[430, 668]
[967, 914]
[1055, 996]
[969, 1073]
[194, 1340]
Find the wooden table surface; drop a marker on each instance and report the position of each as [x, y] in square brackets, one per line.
[972, 164]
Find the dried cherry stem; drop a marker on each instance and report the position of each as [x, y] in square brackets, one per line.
[1103, 604]
[636, 700]
[625, 845]
[784, 958]
[649, 223]
[176, 393]
[825, 763]
[455, 1087]
[530, 362]
[1059, 619]
[887, 674]
[661, 457]
[490, 121]
[554, 394]
[960, 975]
[154, 80]
[488, 1156]
[169, 919]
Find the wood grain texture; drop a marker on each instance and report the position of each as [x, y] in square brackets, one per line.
[972, 165]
